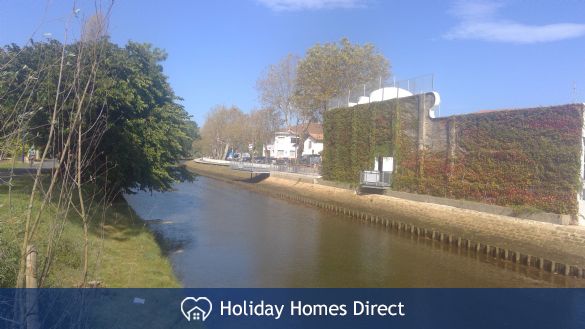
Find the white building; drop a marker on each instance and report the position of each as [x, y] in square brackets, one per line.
[286, 143]
[313, 144]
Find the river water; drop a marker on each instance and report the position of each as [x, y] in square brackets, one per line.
[217, 234]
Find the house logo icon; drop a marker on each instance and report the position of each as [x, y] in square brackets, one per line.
[197, 309]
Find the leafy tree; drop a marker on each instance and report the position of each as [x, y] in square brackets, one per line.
[145, 131]
[192, 132]
[330, 70]
[148, 131]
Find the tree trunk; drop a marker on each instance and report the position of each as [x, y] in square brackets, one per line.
[225, 152]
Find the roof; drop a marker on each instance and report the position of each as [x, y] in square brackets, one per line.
[315, 130]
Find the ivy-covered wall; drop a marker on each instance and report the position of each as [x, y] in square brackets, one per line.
[353, 137]
[528, 157]
[522, 157]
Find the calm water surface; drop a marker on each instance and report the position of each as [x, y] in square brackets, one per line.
[219, 235]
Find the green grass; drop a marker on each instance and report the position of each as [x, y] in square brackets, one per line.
[123, 252]
[7, 164]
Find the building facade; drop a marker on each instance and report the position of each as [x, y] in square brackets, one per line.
[286, 144]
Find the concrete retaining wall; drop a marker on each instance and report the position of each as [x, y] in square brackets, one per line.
[547, 247]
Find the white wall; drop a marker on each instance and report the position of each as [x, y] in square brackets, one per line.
[387, 164]
[283, 146]
[312, 147]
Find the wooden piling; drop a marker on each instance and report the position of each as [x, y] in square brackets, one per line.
[32, 306]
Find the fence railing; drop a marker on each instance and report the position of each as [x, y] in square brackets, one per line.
[287, 168]
[376, 179]
[373, 91]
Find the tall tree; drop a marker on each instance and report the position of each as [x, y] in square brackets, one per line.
[330, 70]
[277, 86]
[223, 129]
[262, 124]
[148, 128]
[145, 130]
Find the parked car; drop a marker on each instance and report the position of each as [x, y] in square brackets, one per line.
[283, 161]
[311, 159]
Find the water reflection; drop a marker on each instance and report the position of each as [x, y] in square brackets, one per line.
[219, 235]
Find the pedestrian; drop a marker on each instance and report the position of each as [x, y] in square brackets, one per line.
[31, 155]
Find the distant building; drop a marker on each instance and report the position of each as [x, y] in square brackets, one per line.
[313, 144]
[286, 144]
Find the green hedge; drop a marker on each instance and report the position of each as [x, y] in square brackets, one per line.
[353, 137]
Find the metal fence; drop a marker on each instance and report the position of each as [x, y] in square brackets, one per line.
[362, 94]
[287, 168]
[376, 179]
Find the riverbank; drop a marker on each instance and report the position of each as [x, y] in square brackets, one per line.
[123, 251]
[549, 247]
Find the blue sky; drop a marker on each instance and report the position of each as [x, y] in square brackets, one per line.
[484, 54]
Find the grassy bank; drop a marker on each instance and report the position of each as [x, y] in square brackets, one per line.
[124, 252]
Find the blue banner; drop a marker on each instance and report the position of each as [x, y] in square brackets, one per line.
[293, 308]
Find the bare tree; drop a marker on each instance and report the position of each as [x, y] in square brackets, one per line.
[277, 87]
[261, 126]
[223, 129]
[73, 134]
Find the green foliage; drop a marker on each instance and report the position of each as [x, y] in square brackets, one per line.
[330, 70]
[523, 157]
[528, 158]
[146, 130]
[123, 253]
[9, 255]
[353, 137]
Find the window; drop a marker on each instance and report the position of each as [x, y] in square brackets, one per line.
[280, 153]
[310, 144]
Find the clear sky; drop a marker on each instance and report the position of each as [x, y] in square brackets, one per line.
[484, 54]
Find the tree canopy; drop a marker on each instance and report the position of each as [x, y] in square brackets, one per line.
[330, 70]
[144, 132]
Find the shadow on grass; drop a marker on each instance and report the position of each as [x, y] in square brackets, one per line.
[119, 222]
